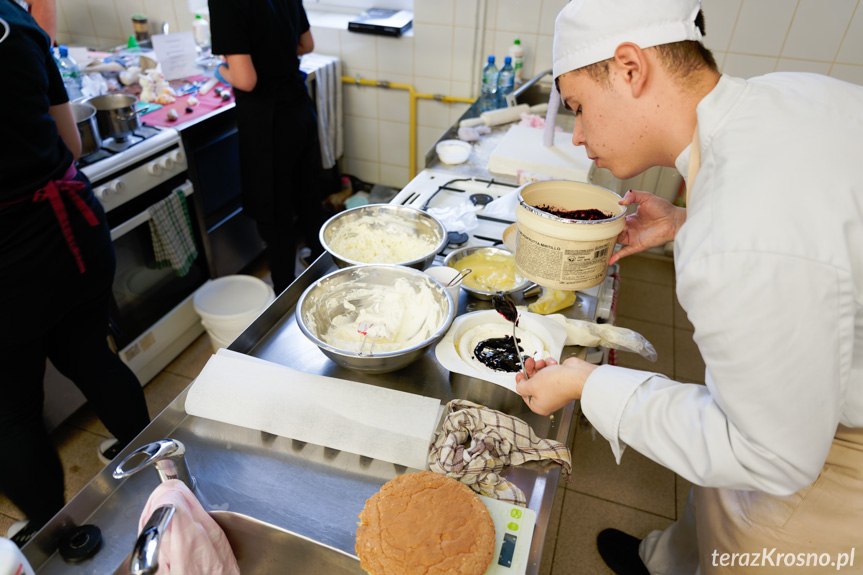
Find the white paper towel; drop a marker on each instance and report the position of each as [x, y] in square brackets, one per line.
[364, 419]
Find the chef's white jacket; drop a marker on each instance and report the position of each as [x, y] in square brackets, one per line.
[769, 270]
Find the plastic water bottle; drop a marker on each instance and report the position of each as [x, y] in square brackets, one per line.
[12, 561]
[201, 32]
[517, 59]
[505, 80]
[70, 72]
[489, 84]
[489, 78]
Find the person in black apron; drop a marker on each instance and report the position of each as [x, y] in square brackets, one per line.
[279, 151]
[56, 271]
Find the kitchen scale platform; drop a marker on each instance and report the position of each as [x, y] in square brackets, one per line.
[513, 528]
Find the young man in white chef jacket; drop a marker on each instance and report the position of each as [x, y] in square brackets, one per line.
[769, 266]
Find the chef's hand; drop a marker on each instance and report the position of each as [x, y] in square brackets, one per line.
[551, 385]
[655, 223]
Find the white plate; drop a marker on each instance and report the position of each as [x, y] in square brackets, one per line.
[550, 332]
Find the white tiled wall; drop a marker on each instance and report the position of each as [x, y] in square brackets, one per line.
[446, 49]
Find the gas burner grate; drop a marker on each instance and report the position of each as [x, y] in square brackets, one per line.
[116, 146]
[463, 185]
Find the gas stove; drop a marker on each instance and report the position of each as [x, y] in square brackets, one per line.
[123, 169]
[438, 188]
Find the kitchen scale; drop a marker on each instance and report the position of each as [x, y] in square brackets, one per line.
[513, 531]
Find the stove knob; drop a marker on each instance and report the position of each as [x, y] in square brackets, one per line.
[154, 169]
[115, 187]
[166, 162]
[178, 157]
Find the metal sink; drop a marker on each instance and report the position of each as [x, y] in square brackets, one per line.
[264, 549]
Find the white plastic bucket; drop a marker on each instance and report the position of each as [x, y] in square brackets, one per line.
[561, 253]
[229, 304]
[217, 343]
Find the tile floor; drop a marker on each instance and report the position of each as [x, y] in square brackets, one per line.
[636, 496]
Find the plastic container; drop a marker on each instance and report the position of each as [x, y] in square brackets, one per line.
[453, 151]
[228, 305]
[70, 73]
[357, 200]
[489, 78]
[445, 274]
[561, 253]
[12, 561]
[515, 51]
[201, 31]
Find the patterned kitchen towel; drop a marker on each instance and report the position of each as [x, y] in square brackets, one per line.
[326, 88]
[476, 442]
[171, 230]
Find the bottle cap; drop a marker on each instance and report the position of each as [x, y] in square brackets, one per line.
[491, 59]
[63, 50]
[507, 60]
[517, 42]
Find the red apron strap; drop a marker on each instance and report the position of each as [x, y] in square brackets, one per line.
[53, 192]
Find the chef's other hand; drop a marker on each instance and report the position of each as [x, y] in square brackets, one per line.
[550, 385]
[655, 223]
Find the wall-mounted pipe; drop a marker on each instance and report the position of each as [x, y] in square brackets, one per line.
[413, 97]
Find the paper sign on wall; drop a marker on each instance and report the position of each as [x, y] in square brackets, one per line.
[177, 54]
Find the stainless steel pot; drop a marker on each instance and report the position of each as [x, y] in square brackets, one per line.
[116, 115]
[85, 118]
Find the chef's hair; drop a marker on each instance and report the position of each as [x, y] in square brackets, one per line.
[680, 58]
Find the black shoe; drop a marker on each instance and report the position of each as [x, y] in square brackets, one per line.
[620, 552]
[108, 450]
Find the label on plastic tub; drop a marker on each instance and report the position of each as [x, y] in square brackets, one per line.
[561, 264]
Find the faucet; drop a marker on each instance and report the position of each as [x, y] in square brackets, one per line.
[145, 556]
[166, 455]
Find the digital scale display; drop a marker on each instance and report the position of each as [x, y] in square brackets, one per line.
[513, 528]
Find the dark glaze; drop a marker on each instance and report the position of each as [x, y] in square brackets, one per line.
[586, 215]
[504, 305]
[499, 354]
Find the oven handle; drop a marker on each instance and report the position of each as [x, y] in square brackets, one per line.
[144, 216]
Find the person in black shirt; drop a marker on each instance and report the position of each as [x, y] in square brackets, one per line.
[56, 272]
[279, 152]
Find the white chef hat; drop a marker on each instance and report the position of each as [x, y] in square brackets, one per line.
[589, 31]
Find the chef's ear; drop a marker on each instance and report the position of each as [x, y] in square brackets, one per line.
[631, 63]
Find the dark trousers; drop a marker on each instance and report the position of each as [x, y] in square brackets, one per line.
[280, 161]
[64, 319]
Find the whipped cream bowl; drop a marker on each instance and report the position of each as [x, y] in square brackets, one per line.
[375, 318]
[383, 234]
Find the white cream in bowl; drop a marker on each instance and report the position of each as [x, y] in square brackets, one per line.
[365, 317]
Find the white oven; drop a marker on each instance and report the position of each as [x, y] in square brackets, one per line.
[152, 313]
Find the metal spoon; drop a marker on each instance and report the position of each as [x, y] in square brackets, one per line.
[504, 305]
[457, 279]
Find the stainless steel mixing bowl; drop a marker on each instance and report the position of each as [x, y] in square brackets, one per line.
[453, 258]
[411, 221]
[326, 298]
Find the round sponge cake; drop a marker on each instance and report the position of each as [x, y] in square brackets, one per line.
[425, 524]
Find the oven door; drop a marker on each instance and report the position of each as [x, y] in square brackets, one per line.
[143, 294]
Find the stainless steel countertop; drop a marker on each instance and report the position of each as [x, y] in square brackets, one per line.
[308, 489]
